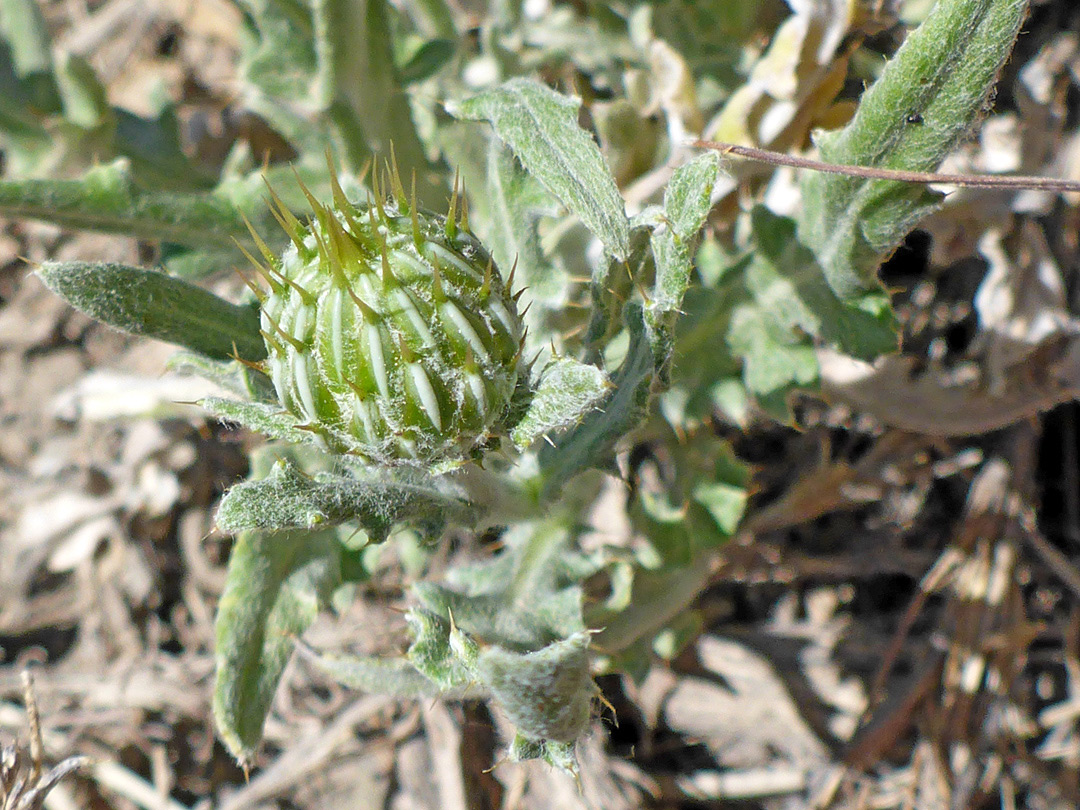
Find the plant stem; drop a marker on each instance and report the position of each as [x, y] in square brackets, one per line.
[873, 173]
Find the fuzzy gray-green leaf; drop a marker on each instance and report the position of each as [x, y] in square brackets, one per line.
[591, 443]
[273, 590]
[265, 418]
[686, 204]
[547, 693]
[145, 302]
[432, 653]
[775, 358]
[288, 499]
[231, 375]
[357, 78]
[791, 290]
[513, 202]
[522, 599]
[541, 127]
[687, 197]
[556, 754]
[929, 96]
[567, 391]
[104, 199]
[396, 677]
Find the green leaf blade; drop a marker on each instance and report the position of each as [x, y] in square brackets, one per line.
[289, 499]
[686, 199]
[514, 202]
[396, 677]
[268, 419]
[929, 96]
[591, 443]
[541, 127]
[547, 693]
[152, 304]
[358, 81]
[566, 392]
[686, 204]
[105, 199]
[792, 290]
[273, 590]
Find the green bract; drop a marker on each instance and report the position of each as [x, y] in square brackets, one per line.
[390, 333]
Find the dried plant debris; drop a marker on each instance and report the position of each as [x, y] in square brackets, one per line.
[24, 784]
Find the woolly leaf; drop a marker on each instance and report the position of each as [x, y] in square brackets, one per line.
[274, 586]
[566, 392]
[231, 375]
[270, 420]
[547, 693]
[757, 329]
[541, 127]
[591, 443]
[686, 204]
[105, 200]
[775, 359]
[512, 627]
[556, 754]
[925, 102]
[789, 285]
[385, 676]
[513, 202]
[432, 653]
[523, 599]
[288, 499]
[152, 304]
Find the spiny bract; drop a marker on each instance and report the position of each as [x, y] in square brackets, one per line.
[390, 333]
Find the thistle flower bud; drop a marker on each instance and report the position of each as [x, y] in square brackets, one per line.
[390, 333]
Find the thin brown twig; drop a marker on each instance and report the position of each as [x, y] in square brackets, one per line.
[33, 719]
[1054, 559]
[998, 181]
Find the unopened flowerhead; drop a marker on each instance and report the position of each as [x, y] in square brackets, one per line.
[390, 332]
